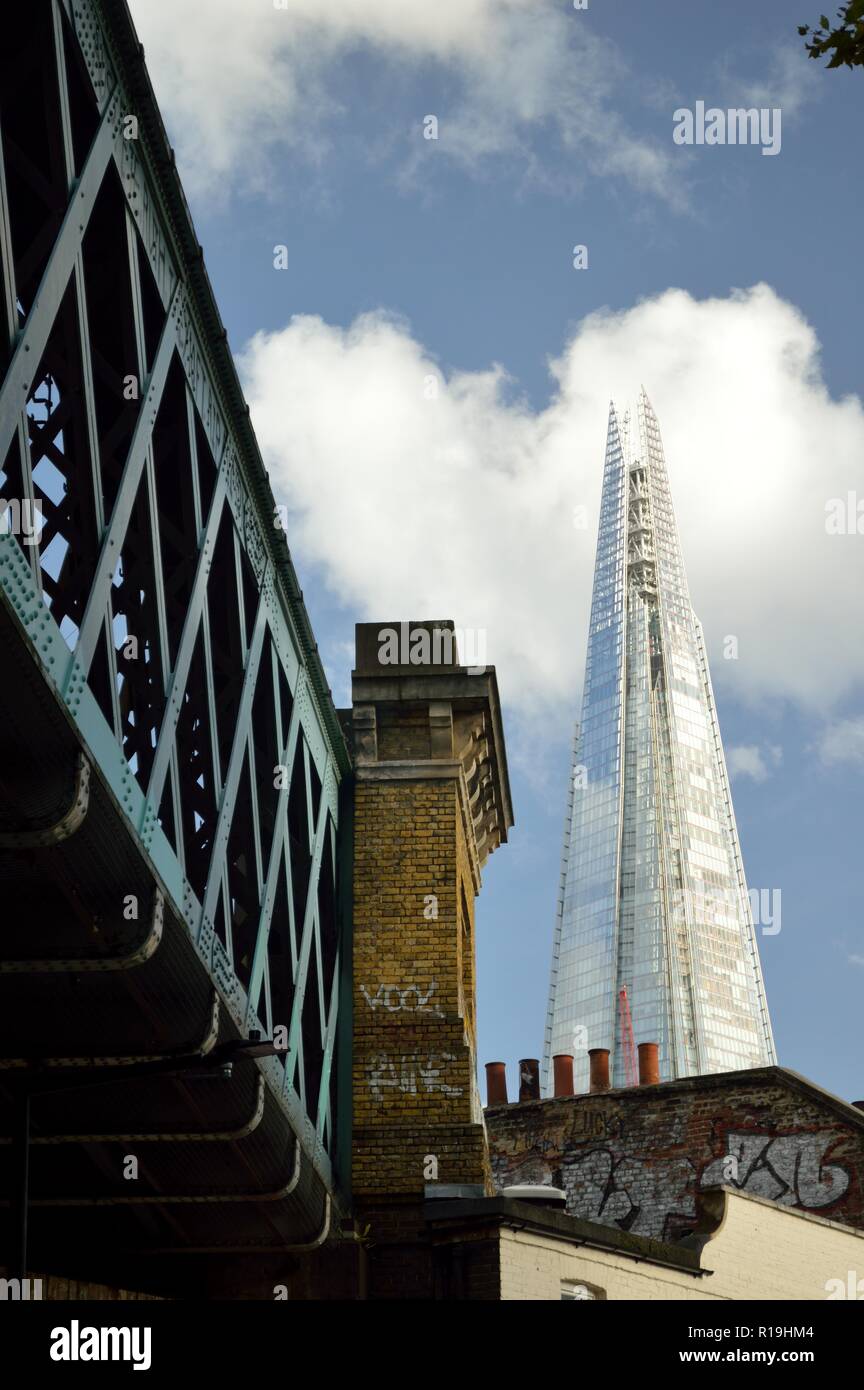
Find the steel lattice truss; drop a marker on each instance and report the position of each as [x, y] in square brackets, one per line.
[157, 596]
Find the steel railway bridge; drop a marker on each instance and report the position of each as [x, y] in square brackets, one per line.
[172, 768]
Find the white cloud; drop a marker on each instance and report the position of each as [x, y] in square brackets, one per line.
[842, 741]
[463, 505]
[856, 960]
[790, 81]
[748, 760]
[239, 82]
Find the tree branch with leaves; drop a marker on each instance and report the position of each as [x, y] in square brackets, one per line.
[845, 43]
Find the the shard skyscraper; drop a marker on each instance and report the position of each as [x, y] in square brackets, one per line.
[653, 899]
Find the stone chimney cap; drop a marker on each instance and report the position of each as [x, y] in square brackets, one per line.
[418, 663]
[414, 647]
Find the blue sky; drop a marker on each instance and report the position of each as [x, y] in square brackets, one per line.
[410, 257]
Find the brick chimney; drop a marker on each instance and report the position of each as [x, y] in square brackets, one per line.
[649, 1063]
[598, 1058]
[432, 801]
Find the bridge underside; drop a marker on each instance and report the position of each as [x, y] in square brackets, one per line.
[114, 1028]
[171, 763]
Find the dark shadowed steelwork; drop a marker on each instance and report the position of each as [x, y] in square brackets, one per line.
[154, 621]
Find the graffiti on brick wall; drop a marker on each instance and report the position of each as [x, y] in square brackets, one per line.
[596, 1124]
[411, 999]
[789, 1169]
[410, 1074]
[627, 1192]
[648, 1182]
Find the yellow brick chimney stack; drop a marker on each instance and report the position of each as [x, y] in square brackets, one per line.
[432, 801]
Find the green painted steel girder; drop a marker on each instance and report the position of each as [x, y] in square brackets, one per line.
[161, 604]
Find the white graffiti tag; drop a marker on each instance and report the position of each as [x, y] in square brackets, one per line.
[410, 1074]
[788, 1169]
[385, 995]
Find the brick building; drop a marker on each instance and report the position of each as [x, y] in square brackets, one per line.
[638, 1158]
[659, 1191]
[742, 1247]
[431, 802]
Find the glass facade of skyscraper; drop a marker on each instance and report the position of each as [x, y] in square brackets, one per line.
[653, 897]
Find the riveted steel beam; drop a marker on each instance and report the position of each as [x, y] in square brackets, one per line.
[112, 544]
[187, 1051]
[242, 734]
[68, 823]
[115, 716]
[178, 1198]
[252, 1247]
[309, 919]
[276, 862]
[128, 960]
[194, 1136]
[32, 341]
[12, 330]
[332, 1017]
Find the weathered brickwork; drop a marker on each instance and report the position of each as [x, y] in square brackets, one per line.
[414, 1059]
[404, 733]
[467, 1266]
[636, 1159]
[430, 803]
[466, 942]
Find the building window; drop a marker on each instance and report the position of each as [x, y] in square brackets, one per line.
[573, 1290]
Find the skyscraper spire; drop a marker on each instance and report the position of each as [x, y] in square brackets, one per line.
[653, 897]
